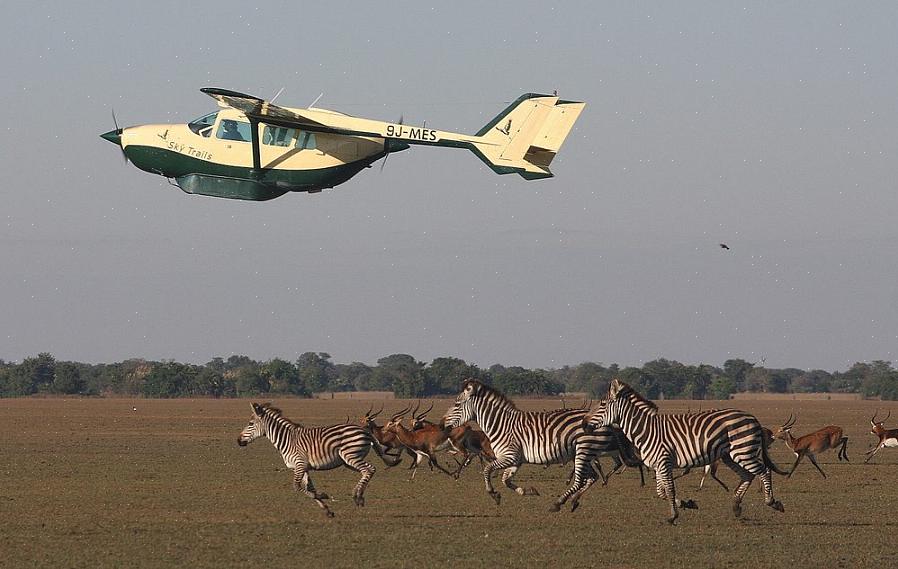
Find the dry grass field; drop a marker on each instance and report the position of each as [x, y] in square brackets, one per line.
[93, 483]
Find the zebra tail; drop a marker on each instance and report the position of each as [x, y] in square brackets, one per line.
[767, 460]
[381, 452]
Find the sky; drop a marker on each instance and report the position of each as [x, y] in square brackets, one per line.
[768, 127]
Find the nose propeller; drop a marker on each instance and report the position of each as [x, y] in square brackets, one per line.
[115, 136]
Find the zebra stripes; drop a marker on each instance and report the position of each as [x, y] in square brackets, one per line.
[518, 437]
[666, 442]
[315, 448]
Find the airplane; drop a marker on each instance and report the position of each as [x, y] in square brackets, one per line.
[252, 149]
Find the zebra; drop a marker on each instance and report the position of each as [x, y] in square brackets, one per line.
[315, 448]
[666, 442]
[518, 437]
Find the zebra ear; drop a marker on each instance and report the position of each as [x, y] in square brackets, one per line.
[614, 388]
[257, 409]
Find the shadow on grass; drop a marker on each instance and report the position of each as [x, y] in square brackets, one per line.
[441, 516]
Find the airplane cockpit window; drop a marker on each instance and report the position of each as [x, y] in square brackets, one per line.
[203, 125]
[306, 140]
[234, 130]
[278, 136]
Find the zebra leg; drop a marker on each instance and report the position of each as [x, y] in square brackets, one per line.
[488, 470]
[664, 477]
[506, 479]
[367, 469]
[302, 483]
[583, 472]
[587, 484]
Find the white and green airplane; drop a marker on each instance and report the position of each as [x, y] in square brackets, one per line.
[251, 149]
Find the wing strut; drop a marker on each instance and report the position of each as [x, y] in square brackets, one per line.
[257, 157]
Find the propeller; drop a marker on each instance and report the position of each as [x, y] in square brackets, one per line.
[387, 148]
[118, 132]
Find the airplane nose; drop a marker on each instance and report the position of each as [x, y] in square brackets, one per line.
[113, 136]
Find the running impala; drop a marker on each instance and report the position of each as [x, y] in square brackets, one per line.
[887, 437]
[813, 443]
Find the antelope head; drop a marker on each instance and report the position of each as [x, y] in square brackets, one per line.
[368, 418]
[877, 425]
[396, 419]
[418, 421]
[785, 429]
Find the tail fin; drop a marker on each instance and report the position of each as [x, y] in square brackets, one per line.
[525, 137]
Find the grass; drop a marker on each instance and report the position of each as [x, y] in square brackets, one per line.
[91, 483]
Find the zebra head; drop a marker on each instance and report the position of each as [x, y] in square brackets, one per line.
[607, 411]
[463, 409]
[255, 429]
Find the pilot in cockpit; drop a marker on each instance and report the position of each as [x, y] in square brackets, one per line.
[231, 132]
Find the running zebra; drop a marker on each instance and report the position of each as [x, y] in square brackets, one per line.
[315, 448]
[519, 437]
[666, 442]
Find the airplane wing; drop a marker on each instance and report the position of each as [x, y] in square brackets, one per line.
[260, 110]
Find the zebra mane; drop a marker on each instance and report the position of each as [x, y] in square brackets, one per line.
[276, 415]
[636, 399]
[483, 390]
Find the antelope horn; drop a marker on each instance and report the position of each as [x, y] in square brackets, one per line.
[399, 414]
[788, 422]
[415, 410]
[887, 416]
[368, 412]
[873, 418]
[424, 414]
[374, 416]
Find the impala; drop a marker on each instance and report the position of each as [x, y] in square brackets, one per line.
[813, 443]
[887, 437]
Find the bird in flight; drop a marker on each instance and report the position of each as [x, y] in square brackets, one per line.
[724, 246]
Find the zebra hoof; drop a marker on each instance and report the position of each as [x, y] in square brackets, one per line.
[496, 497]
[689, 505]
[556, 507]
[778, 506]
[531, 492]
[672, 521]
[359, 501]
[574, 505]
[329, 513]
[322, 496]
[737, 510]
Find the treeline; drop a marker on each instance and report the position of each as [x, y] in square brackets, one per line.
[241, 376]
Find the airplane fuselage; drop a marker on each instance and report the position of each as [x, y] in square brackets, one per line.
[203, 159]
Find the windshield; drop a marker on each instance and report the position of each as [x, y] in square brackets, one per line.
[203, 125]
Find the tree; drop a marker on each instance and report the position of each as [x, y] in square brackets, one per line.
[315, 371]
[168, 379]
[355, 376]
[248, 381]
[737, 370]
[445, 375]
[402, 373]
[67, 379]
[722, 387]
[283, 377]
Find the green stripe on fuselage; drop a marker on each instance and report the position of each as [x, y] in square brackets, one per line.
[174, 165]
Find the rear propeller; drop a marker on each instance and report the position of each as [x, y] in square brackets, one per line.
[387, 148]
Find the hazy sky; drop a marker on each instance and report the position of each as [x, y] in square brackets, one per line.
[772, 129]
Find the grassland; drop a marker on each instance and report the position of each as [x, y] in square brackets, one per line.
[93, 483]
